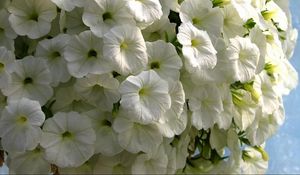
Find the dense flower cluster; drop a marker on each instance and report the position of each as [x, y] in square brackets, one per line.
[142, 86]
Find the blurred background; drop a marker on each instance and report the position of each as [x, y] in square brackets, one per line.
[284, 147]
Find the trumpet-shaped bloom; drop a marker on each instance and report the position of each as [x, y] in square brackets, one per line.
[174, 120]
[135, 137]
[164, 60]
[106, 138]
[22, 163]
[145, 11]
[197, 48]
[102, 15]
[31, 79]
[7, 60]
[7, 34]
[245, 55]
[99, 90]
[146, 96]
[84, 55]
[52, 51]
[125, 48]
[20, 125]
[32, 17]
[155, 163]
[206, 106]
[201, 14]
[68, 139]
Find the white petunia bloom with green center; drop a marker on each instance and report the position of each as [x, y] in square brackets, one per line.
[125, 48]
[197, 48]
[52, 51]
[174, 120]
[102, 15]
[84, 55]
[164, 60]
[145, 12]
[206, 106]
[7, 60]
[106, 138]
[22, 163]
[68, 139]
[99, 90]
[20, 125]
[146, 96]
[32, 17]
[135, 137]
[245, 57]
[201, 14]
[31, 78]
[7, 34]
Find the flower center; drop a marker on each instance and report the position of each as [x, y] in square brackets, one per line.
[155, 65]
[92, 53]
[106, 123]
[67, 134]
[196, 21]
[195, 42]
[22, 119]
[34, 16]
[123, 45]
[143, 92]
[28, 80]
[106, 16]
[55, 54]
[1, 66]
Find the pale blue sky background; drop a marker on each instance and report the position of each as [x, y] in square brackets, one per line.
[284, 148]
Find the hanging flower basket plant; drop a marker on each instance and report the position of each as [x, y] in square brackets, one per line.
[142, 86]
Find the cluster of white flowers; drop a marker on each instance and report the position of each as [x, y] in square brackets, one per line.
[142, 86]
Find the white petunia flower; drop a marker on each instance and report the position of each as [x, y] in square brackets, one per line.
[244, 108]
[99, 90]
[102, 15]
[29, 162]
[7, 60]
[146, 96]
[201, 14]
[125, 48]
[52, 51]
[155, 163]
[69, 5]
[118, 164]
[67, 99]
[266, 90]
[106, 138]
[263, 127]
[135, 137]
[71, 22]
[68, 139]
[174, 120]
[225, 119]
[197, 48]
[206, 106]
[254, 161]
[233, 24]
[164, 60]
[32, 17]
[275, 15]
[7, 34]
[84, 55]
[31, 79]
[20, 125]
[145, 12]
[160, 29]
[245, 55]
